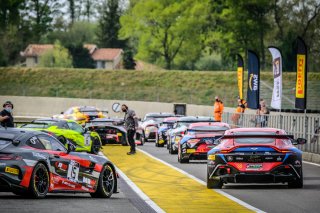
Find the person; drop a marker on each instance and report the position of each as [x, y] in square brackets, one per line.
[262, 114]
[6, 117]
[130, 122]
[218, 109]
[242, 104]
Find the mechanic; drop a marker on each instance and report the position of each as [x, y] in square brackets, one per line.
[6, 117]
[130, 123]
[218, 109]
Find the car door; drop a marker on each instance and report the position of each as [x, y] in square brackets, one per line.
[82, 136]
[65, 170]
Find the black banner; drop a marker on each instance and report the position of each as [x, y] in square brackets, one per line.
[253, 91]
[301, 82]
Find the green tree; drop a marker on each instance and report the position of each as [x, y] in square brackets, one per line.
[128, 60]
[81, 57]
[165, 29]
[57, 57]
[109, 25]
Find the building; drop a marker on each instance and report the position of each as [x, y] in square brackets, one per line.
[108, 58]
[105, 58]
[33, 53]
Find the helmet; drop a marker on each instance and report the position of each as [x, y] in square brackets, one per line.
[8, 103]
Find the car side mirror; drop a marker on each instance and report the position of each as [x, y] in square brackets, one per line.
[70, 147]
[300, 141]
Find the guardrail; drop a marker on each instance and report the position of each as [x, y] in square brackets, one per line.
[300, 125]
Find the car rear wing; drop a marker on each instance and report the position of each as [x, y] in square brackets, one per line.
[258, 136]
[91, 110]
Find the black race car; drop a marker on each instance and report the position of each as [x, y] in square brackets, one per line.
[33, 163]
[111, 133]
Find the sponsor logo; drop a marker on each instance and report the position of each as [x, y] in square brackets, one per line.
[85, 188]
[254, 148]
[68, 184]
[11, 170]
[300, 84]
[279, 158]
[239, 158]
[87, 180]
[267, 153]
[254, 166]
[269, 158]
[39, 155]
[240, 81]
[254, 82]
[276, 67]
[297, 163]
[230, 158]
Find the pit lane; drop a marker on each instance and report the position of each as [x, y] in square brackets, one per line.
[267, 197]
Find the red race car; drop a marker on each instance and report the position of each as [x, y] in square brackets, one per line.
[33, 163]
[199, 139]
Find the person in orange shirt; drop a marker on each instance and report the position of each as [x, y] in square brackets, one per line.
[242, 104]
[218, 109]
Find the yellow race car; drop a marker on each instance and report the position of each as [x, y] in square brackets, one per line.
[82, 114]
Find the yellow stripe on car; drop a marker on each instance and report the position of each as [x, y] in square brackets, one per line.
[168, 188]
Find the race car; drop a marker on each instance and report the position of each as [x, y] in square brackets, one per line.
[150, 124]
[110, 133]
[33, 163]
[161, 137]
[179, 128]
[199, 139]
[85, 141]
[82, 114]
[255, 155]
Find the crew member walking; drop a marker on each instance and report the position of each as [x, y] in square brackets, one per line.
[6, 117]
[218, 109]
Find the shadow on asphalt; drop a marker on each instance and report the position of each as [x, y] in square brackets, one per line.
[54, 197]
[253, 186]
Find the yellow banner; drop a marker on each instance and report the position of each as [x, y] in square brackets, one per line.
[300, 84]
[240, 81]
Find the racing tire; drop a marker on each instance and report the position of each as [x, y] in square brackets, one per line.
[106, 183]
[95, 146]
[297, 184]
[40, 181]
[181, 160]
[214, 184]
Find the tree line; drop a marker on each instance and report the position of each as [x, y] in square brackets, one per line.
[174, 34]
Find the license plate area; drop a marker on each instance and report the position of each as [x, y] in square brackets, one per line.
[253, 167]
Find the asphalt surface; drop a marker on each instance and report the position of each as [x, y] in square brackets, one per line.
[124, 201]
[268, 197]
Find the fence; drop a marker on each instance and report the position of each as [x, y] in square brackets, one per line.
[300, 125]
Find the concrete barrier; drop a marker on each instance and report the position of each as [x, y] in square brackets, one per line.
[48, 106]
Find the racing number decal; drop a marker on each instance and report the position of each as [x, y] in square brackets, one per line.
[73, 171]
[87, 139]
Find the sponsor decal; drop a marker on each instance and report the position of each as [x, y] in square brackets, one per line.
[300, 84]
[87, 180]
[279, 158]
[254, 82]
[254, 148]
[240, 81]
[85, 188]
[68, 184]
[230, 158]
[297, 163]
[61, 166]
[87, 139]
[73, 171]
[267, 153]
[11, 170]
[269, 158]
[39, 155]
[254, 167]
[239, 158]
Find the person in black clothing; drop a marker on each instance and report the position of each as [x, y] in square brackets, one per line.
[6, 117]
[130, 123]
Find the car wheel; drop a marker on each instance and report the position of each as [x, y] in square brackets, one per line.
[214, 184]
[40, 181]
[106, 183]
[95, 146]
[180, 158]
[297, 183]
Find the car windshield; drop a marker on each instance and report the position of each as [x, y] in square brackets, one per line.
[167, 124]
[76, 127]
[36, 125]
[255, 140]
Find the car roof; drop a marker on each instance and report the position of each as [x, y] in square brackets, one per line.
[171, 119]
[255, 129]
[209, 124]
[13, 133]
[159, 114]
[196, 119]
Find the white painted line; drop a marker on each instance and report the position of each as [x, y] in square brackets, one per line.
[136, 189]
[314, 164]
[242, 203]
